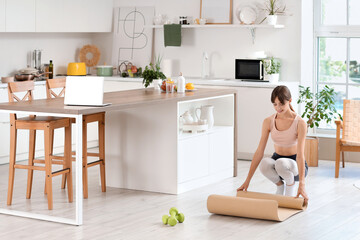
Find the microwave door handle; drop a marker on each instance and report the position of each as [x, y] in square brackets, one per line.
[261, 70]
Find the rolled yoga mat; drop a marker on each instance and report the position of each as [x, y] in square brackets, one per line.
[256, 205]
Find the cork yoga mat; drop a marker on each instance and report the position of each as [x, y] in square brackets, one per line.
[256, 205]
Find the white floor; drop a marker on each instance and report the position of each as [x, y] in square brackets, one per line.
[333, 212]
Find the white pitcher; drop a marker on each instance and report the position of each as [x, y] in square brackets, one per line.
[206, 113]
[186, 118]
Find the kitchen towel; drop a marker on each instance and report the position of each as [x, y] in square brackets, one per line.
[256, 205]
[172, 35]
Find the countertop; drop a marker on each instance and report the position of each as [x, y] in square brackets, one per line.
[119, 100]
[212, 82]
[196, 80]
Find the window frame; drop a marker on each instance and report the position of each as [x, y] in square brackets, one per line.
[331, 31]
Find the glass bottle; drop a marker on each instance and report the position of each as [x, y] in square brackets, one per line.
[51, 70]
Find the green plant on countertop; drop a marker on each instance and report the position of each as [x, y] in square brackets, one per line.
[318, 106]
[152, 72]
[272, 66]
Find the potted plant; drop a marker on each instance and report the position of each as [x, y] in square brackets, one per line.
[319, 107]
[272, 68]
[272, 9]
[152, 72]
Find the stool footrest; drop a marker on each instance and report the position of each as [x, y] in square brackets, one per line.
[95, 163]
[89, 154]
[20, 166]
[57, 157]
[57, 162]
[61, 171]
[93, 154]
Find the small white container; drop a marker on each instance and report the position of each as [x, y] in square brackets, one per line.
[181, 84]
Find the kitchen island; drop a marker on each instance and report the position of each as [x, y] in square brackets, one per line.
[145, 148]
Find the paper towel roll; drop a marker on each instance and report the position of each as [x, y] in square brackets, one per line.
[167, 67]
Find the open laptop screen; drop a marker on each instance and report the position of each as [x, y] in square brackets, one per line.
[84, 91]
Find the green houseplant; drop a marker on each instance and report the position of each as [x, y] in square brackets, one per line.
[272, 68]
[152, 72]
[319, 107]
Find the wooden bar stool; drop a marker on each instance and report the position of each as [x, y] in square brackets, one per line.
[96, 117]
[33, 123]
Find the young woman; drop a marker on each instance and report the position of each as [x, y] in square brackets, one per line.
[287, 167]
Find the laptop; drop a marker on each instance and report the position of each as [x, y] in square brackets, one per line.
[85, 91]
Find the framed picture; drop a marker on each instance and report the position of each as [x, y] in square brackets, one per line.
[216, 11]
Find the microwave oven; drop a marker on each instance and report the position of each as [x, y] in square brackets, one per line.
[249, 69]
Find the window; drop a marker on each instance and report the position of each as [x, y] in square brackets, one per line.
[337, 36]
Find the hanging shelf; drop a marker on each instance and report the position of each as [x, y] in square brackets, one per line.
[251, 27]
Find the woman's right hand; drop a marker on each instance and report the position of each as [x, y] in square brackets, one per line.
[244, 186]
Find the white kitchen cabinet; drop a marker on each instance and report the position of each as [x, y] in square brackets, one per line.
[56, 15]
[193, 158]
[205, 154]
[221, 146]
[88, 15]
[50, 16]
[2, 16]
[20, 15]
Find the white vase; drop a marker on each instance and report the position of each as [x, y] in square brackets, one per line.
[271, 19]
[274, 78]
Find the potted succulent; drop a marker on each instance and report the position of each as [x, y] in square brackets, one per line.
[272, 68]
[152, 72]
[319, 107]
[272, 9]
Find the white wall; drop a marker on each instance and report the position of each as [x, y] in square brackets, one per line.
[62, 48]
[223, 45]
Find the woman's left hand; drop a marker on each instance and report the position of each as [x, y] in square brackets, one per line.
[302, 192]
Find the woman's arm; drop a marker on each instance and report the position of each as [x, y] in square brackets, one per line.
[258, 154]
[300, 158]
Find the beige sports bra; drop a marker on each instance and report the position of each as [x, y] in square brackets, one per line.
[286, 138]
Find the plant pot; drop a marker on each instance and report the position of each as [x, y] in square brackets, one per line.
[156, 83]
[312, 151]
[271, 19]
[274, 78]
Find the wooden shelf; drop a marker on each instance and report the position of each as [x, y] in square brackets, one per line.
[251, 27]
[222, 26]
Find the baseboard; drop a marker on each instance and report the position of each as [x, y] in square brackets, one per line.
[40, 153]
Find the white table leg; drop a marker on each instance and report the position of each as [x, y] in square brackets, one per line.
[79, 182]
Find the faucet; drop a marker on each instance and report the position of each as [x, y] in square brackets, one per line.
[205, 65]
